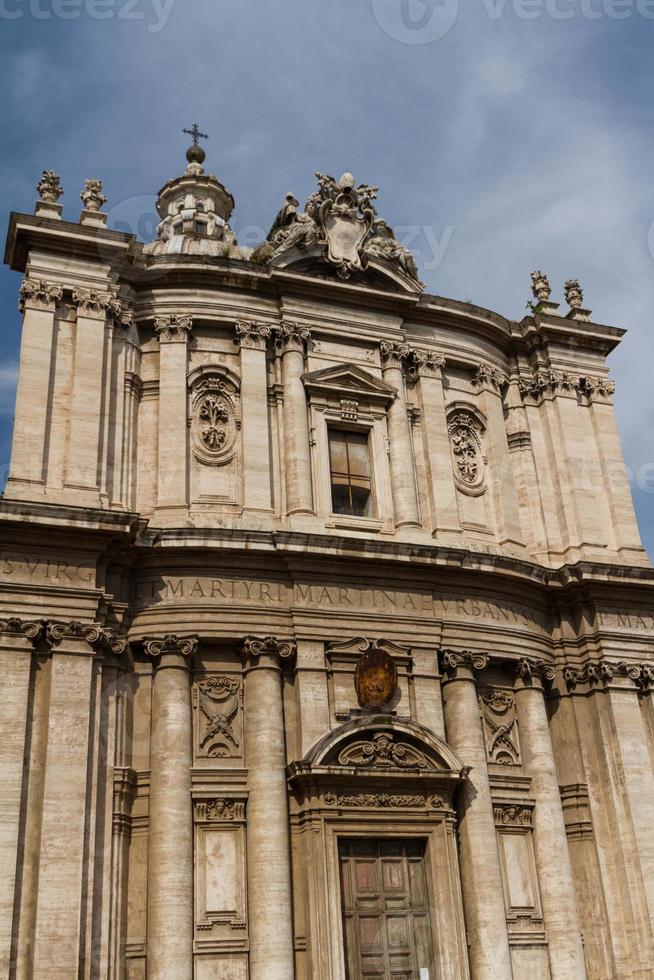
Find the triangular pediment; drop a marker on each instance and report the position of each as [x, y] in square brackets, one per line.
[349, 379]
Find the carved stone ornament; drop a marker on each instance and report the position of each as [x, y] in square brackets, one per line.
[512, 815]
[468, 457]
[92, 195]
[574, 294]
[95, 635]
[383, 800]
[91, 302]
[257, 646]
[49, 187]
[20, 627]
[463, 658]
[383, 752]
[339, 219]
[123, 315]
[217, 698]
[293, 336]
[595, 673]
[499, 715]
[215, 419]
[173, 328]
[485, 376]
[529, 667]
[375, 678]
[39, 294]
[252, 334]
[540, 286]
[219, 811]
[171, 645]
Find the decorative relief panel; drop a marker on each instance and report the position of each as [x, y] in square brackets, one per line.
[465, 430]
[499, 717]
[220, 875]
[218, 717]
[215, 418]
[383, 752]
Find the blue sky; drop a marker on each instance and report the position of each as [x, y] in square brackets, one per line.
[513, 134]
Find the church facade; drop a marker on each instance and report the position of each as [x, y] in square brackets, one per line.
[326, 631]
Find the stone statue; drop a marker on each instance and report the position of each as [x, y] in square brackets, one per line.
[382, 243]
[292, 228]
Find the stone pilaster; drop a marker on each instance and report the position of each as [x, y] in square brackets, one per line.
[297, 453]
[440, 478]
[268, 838]
[557, 891]
[87, 392]
[500, 473]
[403, 480]
[252, 339]
[38, 300]
[117, 420]
[481, 876]
[173, 332]
[63, 840]
[170, 824]
[16, 646]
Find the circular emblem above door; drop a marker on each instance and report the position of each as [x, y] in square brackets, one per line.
[375, 678]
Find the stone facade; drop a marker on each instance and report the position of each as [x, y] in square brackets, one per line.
[326, 631]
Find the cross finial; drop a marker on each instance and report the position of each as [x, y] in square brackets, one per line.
[196, 134]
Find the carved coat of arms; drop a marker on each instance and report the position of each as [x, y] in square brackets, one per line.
[346, 216]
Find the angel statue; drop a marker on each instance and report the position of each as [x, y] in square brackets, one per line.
[292, 228]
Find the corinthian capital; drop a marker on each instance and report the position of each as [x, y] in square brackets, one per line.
[174, 328]
[293, 336]
[251, 334]
[39, 294]
[394, 354]
[257, 646]
[91, 302]
[123, 315]
[171, 645]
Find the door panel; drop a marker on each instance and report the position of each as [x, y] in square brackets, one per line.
[385, 910]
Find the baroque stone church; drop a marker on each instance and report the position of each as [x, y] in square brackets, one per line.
[326, 631]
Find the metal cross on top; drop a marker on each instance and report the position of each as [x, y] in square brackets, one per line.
[196, 134]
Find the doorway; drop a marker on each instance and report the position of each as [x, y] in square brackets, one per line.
[385, 906]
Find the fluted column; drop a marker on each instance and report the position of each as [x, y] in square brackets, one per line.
[257, 483]
[170, 823]
[403, 481]
[38, 302]
[173, 332]
[297, 453]
[481, 876]
[268, 837]
[16, 646]
[555, 880]
[87, 385]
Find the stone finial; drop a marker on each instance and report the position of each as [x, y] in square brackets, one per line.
[574, 294]
[92, 195]
[93, 199]
[49, 187]
[540, 286]
[50, 190]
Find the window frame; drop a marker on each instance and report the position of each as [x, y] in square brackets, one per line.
[366, 432]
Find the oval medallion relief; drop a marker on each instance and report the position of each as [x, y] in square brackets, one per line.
[375, 678]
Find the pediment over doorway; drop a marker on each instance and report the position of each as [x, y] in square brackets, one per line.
[350, 379]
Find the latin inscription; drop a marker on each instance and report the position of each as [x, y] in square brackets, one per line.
[418, 603]
[20, 568]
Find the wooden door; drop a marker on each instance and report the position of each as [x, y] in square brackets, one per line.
[385, 910]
